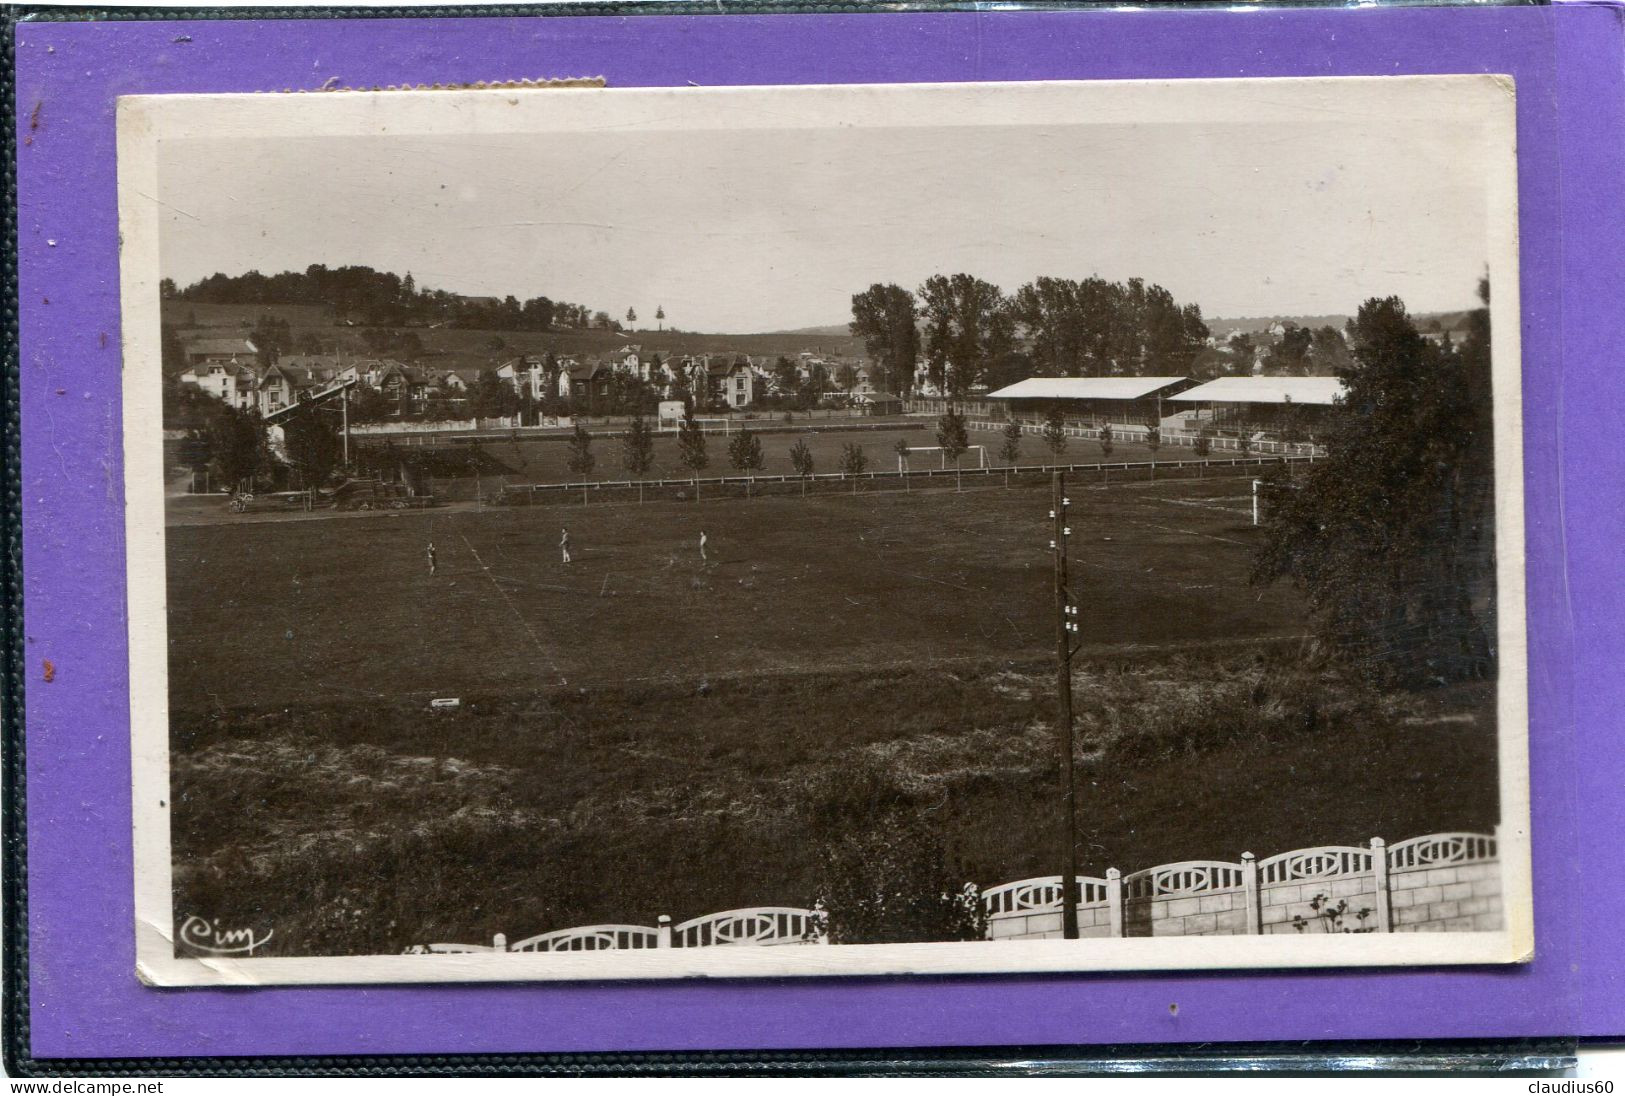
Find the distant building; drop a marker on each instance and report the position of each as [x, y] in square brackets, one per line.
[731, 381]
[874, 402]
[211, 350]
[234, 384]
[526, 375]
[584, 380]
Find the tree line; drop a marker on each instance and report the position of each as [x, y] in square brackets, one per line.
[383, 299]
[1391, 537]
[970, 332]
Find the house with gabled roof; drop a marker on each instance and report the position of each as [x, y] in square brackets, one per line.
[229, 382]
[209, 349]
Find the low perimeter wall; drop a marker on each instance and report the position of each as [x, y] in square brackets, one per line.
[1443, 882]
[1447, 882]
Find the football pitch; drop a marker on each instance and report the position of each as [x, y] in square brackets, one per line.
[536, 460]
[296, 612]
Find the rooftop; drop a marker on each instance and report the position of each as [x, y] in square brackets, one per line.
[1309, 390]
[1084, 388]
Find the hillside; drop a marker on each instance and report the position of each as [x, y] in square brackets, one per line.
[447, 347]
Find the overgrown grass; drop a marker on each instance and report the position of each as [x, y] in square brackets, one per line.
[369, 826]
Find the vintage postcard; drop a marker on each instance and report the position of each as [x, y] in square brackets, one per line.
[592, 533]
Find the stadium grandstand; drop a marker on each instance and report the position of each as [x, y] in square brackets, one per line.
[1127, 400]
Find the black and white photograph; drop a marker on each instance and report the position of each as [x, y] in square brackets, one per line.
[585, 532]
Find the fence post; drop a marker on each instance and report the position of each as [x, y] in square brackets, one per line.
[499, 942]
[1114, 901]
[663, 931]
[1379, 870]
[1251, 898]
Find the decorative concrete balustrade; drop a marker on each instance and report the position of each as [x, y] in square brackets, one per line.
[1443, 882]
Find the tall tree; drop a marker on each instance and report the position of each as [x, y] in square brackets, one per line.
[631, 316]
[581, 457]
[1328, 352]
[1010, 451]
[967, 326]
[801, 459]
[854, 462]
[1289, 356]
[745, 453]
[1055, 431]
[1391, 537]
[660, 317]
[638, 448]
[691, 446]
[238, 452]
[1241, 351]
[786, 378]
[883, 316]
[953, 438]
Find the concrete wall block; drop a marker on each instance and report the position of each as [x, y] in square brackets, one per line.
[1219, 903]
[1044, 922]
[1487, 887]
[1007, 928]
[1473, 906]
[1201, 924]
[1231, 923]
[1410, 916]
[1349, 888]
[1408, 880]
[1182, 907]
[1458, 924]
[1282, 896]
[1488, 921]
[1490, 869]
[1438, 877]
[1455, 892]
[1444, 911]
[1275, 915]
[1168, 926]
[1428, 895]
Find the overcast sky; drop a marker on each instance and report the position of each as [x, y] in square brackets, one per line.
[737, 231]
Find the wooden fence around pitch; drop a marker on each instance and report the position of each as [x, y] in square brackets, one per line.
[522, 494]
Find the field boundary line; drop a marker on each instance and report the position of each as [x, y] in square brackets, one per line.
[523, 623]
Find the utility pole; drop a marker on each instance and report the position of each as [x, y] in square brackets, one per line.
[1065, 627]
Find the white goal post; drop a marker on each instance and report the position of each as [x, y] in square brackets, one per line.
[979, 450]
[727, 424]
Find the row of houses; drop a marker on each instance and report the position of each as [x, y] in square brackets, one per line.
[731, 379]
[229, 369]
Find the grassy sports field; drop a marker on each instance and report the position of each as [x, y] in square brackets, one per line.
[289, 612]
[643, 732]
[547, 461]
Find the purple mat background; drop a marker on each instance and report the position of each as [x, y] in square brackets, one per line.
[1571, 108]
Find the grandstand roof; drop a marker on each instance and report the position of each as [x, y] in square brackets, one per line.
[1312, 390]
[1084, 388]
